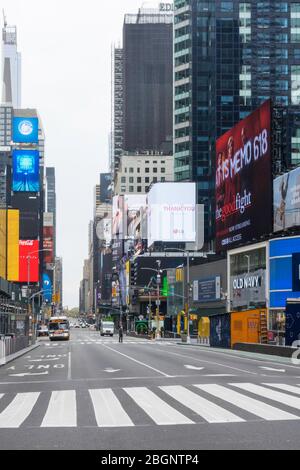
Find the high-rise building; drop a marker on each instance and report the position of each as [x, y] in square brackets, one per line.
[51, 198]
[230, 57]
[142, 86]
[11, 67]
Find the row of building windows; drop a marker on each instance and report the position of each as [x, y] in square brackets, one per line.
[146, 170]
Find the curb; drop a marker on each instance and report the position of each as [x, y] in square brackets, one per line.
[14, 356]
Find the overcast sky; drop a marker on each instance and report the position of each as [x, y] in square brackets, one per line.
[66, 75]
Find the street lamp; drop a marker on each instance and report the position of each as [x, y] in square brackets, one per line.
[158, 281]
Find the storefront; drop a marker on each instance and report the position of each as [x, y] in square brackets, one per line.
[284, 283]
[248, 293]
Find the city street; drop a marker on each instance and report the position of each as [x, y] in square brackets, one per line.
[94, 393]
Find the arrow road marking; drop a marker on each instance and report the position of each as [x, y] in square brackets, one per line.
[193, 367]
[28, 374]
[111, 371]
[273, 370]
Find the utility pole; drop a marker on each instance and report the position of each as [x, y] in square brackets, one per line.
[158, 299]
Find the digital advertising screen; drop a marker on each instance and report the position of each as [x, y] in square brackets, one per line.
[244, 181]
[29, 261]
[25, 130]
[286, 201]
[26, 171]
[47, 287]
[105, 187]
[48, 244]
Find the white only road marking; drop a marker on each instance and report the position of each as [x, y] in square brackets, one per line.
[283, 398]
[108, 410]
[272, 370]
[211, 412]
[111, 371]
[61, 411]
[158, 410]
[193, 367]
[18, 410]
[286, 388]
[28, 374]
[69, 366]
[256, 407]
[44, 360]
[138, 362]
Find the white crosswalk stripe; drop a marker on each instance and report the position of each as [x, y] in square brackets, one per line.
[160, 404]
[108, 410]
[211, 412]
[61, 412]
[283, 398]
[18, 410]
[286, 388]
[256, 407]
[156, 408]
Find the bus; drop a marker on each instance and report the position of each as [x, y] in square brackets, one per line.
[59, 328]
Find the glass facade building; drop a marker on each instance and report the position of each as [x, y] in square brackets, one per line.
[230, 57]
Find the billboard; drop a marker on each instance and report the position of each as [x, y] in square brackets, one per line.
[26, 130]
[26, 171]
[286, 201]
[29, 205]
[244, 181]
[29, 261]
[134, 206]
[105, 187]
[207, 290]
[47, 288]
[3, 240]
[117, 217]
[13, 248]
[172, 213]
[48, 244]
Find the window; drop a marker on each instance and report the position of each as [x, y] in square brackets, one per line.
[154, 170]
[282, 54]
[163, 179]
[282, 85]
[147, 170]
[295, 8]
[123, 189]
[131, 189]
[125, 170]
[138, 170]
[139, 189]
[139, 179]
[147, 179]
[131, 170]
[282, 69]
[155, 179]
[226, 6]
[281, 7]
[163, 170]
[131, 179]
[295, 76]
[281, 22]
[123, 179]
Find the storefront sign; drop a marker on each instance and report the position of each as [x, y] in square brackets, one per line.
[248, 289]
[207, 290]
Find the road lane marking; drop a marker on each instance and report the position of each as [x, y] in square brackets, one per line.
[158, 410]
[69, 366]
[193, 367]
[283, 398]
[208, 410]
[272, 370]
[61, 410]
[29, 374]
[210, 362]
[256, 407]
[138, 362]
[18, 410]
[108, 410]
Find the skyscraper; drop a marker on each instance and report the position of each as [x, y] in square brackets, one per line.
[11, 67]
[230, 57]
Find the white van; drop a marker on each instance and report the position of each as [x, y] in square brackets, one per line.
[107, 328]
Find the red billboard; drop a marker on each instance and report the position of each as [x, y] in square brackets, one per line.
[244, 181]
[48, 233]
[29, 261]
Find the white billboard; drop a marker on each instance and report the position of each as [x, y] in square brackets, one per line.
[172, 213]
[134, 205]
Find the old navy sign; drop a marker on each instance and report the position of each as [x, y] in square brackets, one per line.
[166, 7]
[246, 282]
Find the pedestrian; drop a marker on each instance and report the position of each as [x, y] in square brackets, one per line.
[121, 334]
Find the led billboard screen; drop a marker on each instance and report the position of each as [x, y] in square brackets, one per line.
[133, 210]
[26, 171]
[172, 213]
[29, 261]
[117, 218]
[105, 187]
[47, 287]
[286, 202]
[28, 205]
[244, 181]
[48, 244]
[25, 130]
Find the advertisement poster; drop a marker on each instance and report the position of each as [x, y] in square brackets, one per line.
[26, 171]
[47, 288]
[25, 130]
[118, 211]
[29, 261]
[48, 233]
[244, 181]
[133, 210]
[287, 201]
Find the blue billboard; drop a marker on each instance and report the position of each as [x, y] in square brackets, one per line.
[207, 290]
[25, 130]
[284, 271]
[26, 171]
[47, 288]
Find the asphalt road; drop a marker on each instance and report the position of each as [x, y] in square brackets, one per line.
[94, 393]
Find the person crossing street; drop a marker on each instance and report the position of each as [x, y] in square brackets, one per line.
[121, 334]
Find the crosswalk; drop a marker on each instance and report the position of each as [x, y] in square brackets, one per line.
[79, 341]
[157, 406]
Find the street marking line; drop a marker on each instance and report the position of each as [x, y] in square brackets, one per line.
[158, 410]
[138, 362]
[272, 369]
[283, 398]
[69, 366]
[62, 411]
[256, 407]
[285, 387]
[208, 410]
[18, 410]
[209, 362]
[108, 410]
